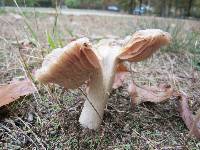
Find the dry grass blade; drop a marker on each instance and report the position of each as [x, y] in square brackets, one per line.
[149, 93]
[13, 91]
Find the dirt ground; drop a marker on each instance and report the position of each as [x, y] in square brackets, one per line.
[38, 121]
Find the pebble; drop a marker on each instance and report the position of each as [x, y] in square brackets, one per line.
[30, 117]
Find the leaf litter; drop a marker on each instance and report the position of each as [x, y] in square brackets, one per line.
[14, 90]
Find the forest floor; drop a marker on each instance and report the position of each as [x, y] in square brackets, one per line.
[38, 121]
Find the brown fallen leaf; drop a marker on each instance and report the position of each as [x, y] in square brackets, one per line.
[13, 91]
[120, 76]
[161, 93]
[184, 110]
[195, 129]
[149, 93]
[186, 114]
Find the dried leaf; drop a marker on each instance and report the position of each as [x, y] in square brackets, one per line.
[187, 116]
[120, 76]
[195, 129]
[149, 93]
[11, 92]
[184, 111]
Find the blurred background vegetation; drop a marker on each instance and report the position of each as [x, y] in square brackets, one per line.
[164, 8]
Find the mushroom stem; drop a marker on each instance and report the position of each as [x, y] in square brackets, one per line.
[98, 93]
[93, 109]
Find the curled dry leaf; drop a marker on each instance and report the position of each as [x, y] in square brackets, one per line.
[195, 129]
[120, 76]
[13, 91]
[184, 110]
[190, 121]
[149, 93]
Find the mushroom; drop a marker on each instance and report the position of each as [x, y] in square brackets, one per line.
[79, 61]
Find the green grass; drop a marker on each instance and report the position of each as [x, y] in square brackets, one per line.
[2, 11]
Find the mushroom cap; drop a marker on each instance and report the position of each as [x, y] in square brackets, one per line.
[74, 64]
[70, 66]
[143, 44]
